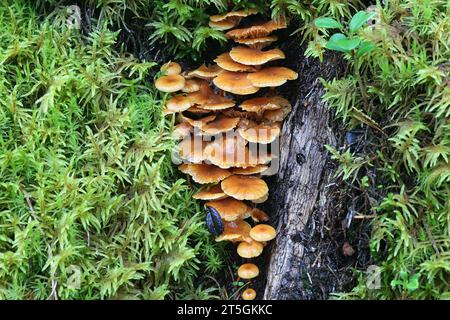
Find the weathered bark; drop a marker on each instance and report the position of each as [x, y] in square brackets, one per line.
[300, 195]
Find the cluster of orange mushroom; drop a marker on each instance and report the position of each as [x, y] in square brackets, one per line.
[223, 144]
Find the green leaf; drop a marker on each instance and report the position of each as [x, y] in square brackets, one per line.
[331, 44]
[359, 19]
[327, 23]
[364, 48]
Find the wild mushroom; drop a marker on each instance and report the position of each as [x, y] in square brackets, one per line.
[219, 125]
[198, 123]
[192, 150]
[258, 30]
[171, 83]
[249, 294]
[258, 215]
[193, 85]
[248, 271]
[263, 233]
[235, 82]
[171, 68]
[261, 133]
[178, 103]
[262, 104]
[244, 187]
[223, 25]
[277, 115]
[250, 250]
[262, 199]
[254, 57]
[229, 209]
[230, 152]
[204, 173]
[226, 63]
[257, 43]
[235, 231]
[204, 72]
[182, 130]
[271, 77]
[233, 14]
[250, 170]
[210, 193]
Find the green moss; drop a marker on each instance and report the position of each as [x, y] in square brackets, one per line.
[91, 206]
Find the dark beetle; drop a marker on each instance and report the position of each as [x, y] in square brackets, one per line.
[213, 221]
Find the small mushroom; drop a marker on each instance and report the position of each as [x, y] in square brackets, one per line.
[235, 82]
[262, 199]
[277, 115]
[235, 231]
[223, 25]
[250, 170]
[192, 150]
[171, 83]
[207, 73]
[229, 209]
[210, 193]
[250, 250]
[178, 103]
[261, 133]
[233, 14]
[182, 130]
[249, 294]
[254, 57]
[258, 30]
[263, 233]
[225, 62]
[258, 215]
[204, 173]
[248, 271]
[193, 85]
[198, 123]
[262, 104]
[171, 68]
[220, 124]
[244, 187]
[271, 77]
[257, 43]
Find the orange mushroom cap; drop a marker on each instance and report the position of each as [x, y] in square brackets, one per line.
[171, 83]
[192, 150]
[235, 82]
[204, 173]
[171, 68]
[244, 187]
[225, 62]
[235, 231]
[182, 130]
[250, 170]
[264, 103]
[277, 115]
[250, 250]
[263, 232]
[249, 294]
[213, 193]
[224, 24]
[198, 123]
[178, 103]
[220, 124]
[204, 72]
[258, 215]
[233, 14]
[248, 271]
[254, 57]
[229, 209]
[262, 199]
[272, 77]
[259, 30]
[230, 152]
[193, 85]
[257, 43]
[261, 133]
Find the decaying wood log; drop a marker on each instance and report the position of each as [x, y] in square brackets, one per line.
[300, 193]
